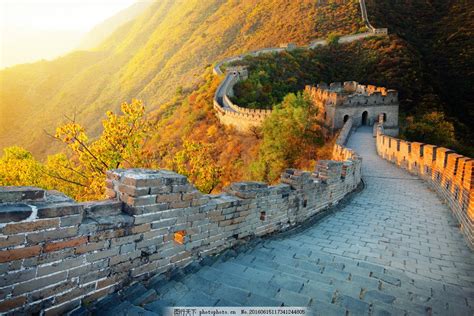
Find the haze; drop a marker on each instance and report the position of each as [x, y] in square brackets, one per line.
[32, 30]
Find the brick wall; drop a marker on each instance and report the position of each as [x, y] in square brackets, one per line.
[56, 254]
[449, 174]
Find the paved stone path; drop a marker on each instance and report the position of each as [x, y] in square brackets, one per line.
[393, 250]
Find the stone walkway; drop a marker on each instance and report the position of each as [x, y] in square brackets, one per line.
[393, 250]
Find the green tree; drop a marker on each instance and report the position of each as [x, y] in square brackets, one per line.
[292, 132]
[333, 38]
[431, 128]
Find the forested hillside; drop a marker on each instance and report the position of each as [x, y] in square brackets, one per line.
[442, 33]
[165, 48]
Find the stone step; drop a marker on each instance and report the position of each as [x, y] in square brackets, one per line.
[240, 281]
[147, 297]
[133, 292]
[322, 308]
[158, 306]
[197, 298]
[174, 292]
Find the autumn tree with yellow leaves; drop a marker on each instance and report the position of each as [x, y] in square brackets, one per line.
[80, 173]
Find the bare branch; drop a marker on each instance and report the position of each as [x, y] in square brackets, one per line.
[65, 180]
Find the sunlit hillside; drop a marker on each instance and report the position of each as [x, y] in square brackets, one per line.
[165, 48]
[105, 29]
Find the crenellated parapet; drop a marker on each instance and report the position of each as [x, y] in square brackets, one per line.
[363, 103]
[451, 175]
[56, 254]
[229, 113]
[351, 93]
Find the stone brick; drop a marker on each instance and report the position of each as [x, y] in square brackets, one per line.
[60, 266]
[8, 241]
[103, 208]
[146, 209]
[19, 253]
[141, 228]
[61, 309]
[180, 204]
[92, 246]
[47, 236]
[127, 248]
[58, 210]
[16, 228]
[133, 191]
[107, 282]
[167, 198]
[102, 254]
[17, 277]
[87, 268]
[64, 244]
[5, 291]
[53, 290]
[92, 276]
[48, 257]
[140, 200]
[18, 194]
[97, 295]
[14, 212]
[71, 220]
[126, 256]
[125, 240]
[74, 293]
[10, 304]
[38, 283]
[164, 223]
[108, 234]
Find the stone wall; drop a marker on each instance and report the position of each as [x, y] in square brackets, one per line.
[56, 254]
[449, 174]
[230, 114]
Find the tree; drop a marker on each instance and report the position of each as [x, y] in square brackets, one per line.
[18, 167]
[119, 145]
[333, 38]
[291, 133]
[431, 128]
[196, 162]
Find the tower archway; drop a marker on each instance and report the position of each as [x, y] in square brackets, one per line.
[346, 118]
[365, 118]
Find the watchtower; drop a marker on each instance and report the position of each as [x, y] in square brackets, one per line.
[337, 102]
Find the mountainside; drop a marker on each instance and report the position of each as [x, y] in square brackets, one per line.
[442, 33]
[102, 31]
[166, 47]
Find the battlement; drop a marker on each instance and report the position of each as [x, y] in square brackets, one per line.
[449, 174]
[352, 93]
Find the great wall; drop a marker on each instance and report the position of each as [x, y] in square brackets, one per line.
[245, 120]
[391, 248]
[57, 254]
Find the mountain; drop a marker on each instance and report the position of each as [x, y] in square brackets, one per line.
[102, 31]
[30, 45]
[442, 33]
[166, 47]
